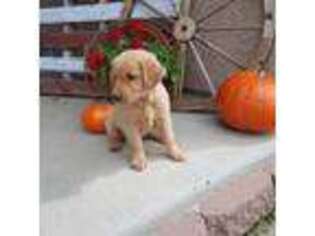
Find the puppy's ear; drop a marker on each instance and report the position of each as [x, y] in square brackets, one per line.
[152, 72]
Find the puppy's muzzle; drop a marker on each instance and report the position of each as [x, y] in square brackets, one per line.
[114, 99]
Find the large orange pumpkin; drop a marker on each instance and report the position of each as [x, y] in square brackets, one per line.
[246, 101]
[94, 116]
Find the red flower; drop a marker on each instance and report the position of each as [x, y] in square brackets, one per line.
[136, 25]
[95, 60]
[139, 28]
[137, 43]
[115, 35]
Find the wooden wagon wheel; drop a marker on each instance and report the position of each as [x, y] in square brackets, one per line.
[193, 24]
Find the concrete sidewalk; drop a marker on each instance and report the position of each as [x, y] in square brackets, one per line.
[87, 191]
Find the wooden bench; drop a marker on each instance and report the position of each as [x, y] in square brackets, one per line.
[63, 39]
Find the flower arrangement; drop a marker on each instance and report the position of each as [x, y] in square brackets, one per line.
[134, 34]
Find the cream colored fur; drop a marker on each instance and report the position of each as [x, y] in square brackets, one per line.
[143, 108]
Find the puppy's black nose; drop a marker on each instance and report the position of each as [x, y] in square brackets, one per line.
[114, 99]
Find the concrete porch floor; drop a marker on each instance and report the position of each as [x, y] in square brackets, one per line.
[87, 191]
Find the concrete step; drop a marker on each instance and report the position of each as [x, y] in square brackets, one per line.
[232, 207]
[85, 190]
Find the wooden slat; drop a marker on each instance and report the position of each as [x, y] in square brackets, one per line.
[99, 12]
[59, 64]
[73, 39]
[64, 40]
[85, 13]
[140, 11]
[206, 105]
[66, 28]
[61, 87]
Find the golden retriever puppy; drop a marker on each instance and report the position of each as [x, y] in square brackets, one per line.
[141, 106]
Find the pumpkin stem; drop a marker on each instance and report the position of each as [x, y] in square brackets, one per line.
[262, 65]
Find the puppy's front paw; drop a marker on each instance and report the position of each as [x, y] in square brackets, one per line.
[178, 155]
[138, 163]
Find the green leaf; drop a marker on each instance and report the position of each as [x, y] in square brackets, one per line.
[168, 59]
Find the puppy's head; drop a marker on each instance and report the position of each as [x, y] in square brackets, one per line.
[133, 74]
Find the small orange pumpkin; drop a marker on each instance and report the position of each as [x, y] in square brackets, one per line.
[246, 101]
[94, 116]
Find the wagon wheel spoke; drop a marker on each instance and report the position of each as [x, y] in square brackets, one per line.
[156, 11]
[195, 7]
[220, 51]
[202, 67]
[182, 64]
[165, 28]
[230, 28]
[185, 7]
[215, 11]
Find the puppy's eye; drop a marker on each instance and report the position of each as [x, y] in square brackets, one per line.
[131, 76]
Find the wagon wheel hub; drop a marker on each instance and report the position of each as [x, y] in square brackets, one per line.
[184, 29]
